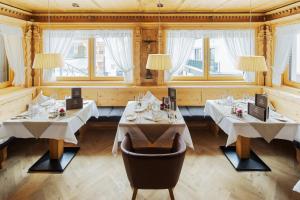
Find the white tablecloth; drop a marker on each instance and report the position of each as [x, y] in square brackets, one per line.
[59, 128]
[247, 126]
[141, 138]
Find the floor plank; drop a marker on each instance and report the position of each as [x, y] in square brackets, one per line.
[95, 174]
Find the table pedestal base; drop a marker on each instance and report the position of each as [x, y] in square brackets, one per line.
[46, 164]
[253, 163]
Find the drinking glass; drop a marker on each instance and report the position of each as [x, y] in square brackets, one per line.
[171, 116]
[245, 98]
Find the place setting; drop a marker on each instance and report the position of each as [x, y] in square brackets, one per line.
[150, 121]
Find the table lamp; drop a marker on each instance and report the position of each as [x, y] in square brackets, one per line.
[253, 64]
[159, 62]
[47, 61]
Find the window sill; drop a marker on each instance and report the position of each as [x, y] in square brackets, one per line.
[192, 82]
[85, 83]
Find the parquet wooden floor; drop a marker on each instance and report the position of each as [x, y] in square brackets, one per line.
[95, 174]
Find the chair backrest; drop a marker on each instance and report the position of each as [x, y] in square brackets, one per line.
[154, 170]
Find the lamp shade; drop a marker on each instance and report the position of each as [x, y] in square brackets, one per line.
[48, 61]
[252, 64]
[159, 62]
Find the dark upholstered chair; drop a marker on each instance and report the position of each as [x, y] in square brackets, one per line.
[153, 168]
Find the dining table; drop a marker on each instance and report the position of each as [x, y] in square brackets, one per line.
[241, 129]
[57, 129]
[147, 131]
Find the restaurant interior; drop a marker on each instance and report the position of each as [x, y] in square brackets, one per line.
[150, 99]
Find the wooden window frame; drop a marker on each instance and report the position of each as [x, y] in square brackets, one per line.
[206, 75]
[91, 70]
[10, 79]
[286, 79]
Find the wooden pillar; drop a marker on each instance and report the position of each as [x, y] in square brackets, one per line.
[298, 154]
[56, 148]
[264, 40]
[36, 48]
[243, 147]
[137, 55]
[214, 128]
[3, 156]
[28, 55]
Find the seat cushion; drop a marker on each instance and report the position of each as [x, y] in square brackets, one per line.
[116, 113]
[5, 142]
[193, 113]
[109, 113]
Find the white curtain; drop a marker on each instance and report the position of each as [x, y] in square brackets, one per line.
[179, 47]
[12, 37]
[56, 42]
[286, 39]
[119, 45]
[3, 62]
[238, 44]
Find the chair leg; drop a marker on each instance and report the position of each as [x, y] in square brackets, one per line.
[135, 190]
[171, 194]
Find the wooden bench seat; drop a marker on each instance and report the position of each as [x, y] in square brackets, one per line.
[3, 149]
[114, 113]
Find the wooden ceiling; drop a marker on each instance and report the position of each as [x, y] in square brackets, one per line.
[238, 6]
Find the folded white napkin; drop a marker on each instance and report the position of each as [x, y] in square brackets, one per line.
[40, 99]
[150, 98]
[297, 187]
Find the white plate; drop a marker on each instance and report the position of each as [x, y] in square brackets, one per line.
[140, 109]
[131, 117]
[153, 119]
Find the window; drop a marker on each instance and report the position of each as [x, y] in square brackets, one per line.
[292, 74]
[213, 54]
[4, 68]
[104, 63]
[194, 65]
[90, 55]
[76, 60]
[220, 63]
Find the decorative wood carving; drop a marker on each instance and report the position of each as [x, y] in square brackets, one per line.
[147, 47]
[151, 17]
[37, 48]
[14, 12]
[137, 48]
[282, 13]
[28, 54]
[264, 39]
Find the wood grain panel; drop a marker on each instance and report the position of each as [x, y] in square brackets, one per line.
[13, 101]
[237, 92]
[120, 96]
[186, 95]
[285, 102]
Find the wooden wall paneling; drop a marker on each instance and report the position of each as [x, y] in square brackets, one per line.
[120, 96]
[15, 101]
[186, 95]
[218, 92]
[285, 102]
[189, 96]
[62, 92]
